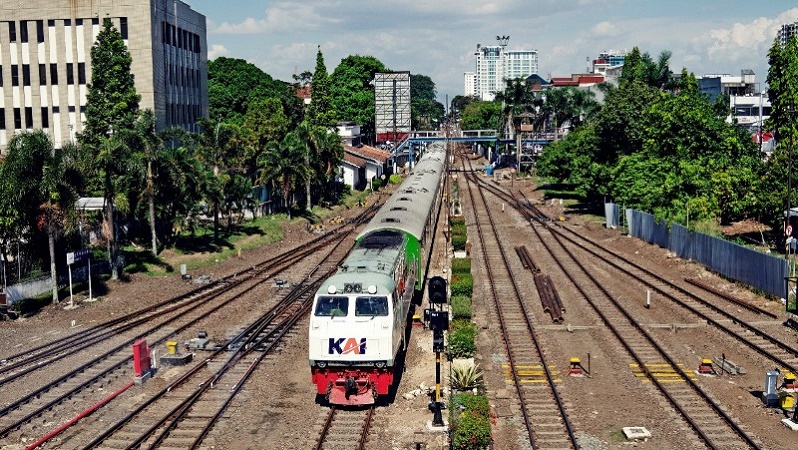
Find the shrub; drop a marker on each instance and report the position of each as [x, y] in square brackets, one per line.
[462, 339]
[466, 376]
[376, 183]
[462, 284]
[461, 265]
[459, 242]
[455, 221]
[395, 179]
[460, 307]
[469, 422]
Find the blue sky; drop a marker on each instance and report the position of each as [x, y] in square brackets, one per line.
[438, 38]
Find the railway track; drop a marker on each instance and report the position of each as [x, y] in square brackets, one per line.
[345, 429]
[706, 417]
[103, 371]
[544, 414]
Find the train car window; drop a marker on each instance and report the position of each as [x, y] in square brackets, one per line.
[332, 306]
[371, 306]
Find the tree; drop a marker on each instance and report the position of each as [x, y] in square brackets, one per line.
[323, 154]
[481, 115]
[44, 187]
[459, 103]
[147, 144]
[783, 95]
[319, 112]
[425, 109]
[264, 122]
[352, 91]
[642, 68]
[216, 149]
[234, 84]
[111, 107]
[283, 165]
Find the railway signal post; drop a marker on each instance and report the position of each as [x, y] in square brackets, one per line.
[438, 320]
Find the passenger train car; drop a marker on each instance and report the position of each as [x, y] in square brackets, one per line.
[359, 315]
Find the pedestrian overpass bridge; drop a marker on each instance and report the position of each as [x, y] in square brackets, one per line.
[464, 136]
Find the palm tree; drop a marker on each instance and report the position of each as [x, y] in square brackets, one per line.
[283, 164]
[47, 183]
[146, 145]
[323, 155]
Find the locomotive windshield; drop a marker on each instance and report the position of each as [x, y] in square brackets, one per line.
[381, 239]
[332, 306]
[371, 306]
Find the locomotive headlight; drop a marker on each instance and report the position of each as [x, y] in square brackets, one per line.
[321, 364]
[372, 289]
[379, 364]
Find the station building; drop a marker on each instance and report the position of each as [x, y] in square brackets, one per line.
[45, 62]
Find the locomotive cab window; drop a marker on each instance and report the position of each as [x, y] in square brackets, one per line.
[371, 306]
[332, 306]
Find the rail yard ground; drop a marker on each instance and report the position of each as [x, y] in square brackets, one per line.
[277, 408]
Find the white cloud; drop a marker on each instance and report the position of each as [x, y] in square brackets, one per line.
[217, 50]
[738, 41]
[606, 28]
[280, 17]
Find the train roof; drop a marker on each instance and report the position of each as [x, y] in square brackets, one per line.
[407, 209]
[365, 266]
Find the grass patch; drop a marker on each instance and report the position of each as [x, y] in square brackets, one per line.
[199, 249]
[461, 307]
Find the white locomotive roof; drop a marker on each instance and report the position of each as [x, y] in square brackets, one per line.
[409, 206]
[365, 267]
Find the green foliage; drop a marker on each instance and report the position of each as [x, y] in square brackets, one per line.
[319, 112]
[461, 265]
[460, 307]
[462, 284]
[466, 376]
[459, 242]
[426, 111]
[469, 422]
[351, 91]
[111, 100]
[233, 84]
[395, 179]
[462, 339]
[481, 115]
[376, 183]
[661, 152]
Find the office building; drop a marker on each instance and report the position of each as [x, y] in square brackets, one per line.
[45, 62]
[494, 65]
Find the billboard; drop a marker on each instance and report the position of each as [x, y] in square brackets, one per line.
[392, 106]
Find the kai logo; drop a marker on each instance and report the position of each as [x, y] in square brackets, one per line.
[344, 346]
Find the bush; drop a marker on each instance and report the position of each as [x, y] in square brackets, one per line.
[462, 339]
[455, 221]
[461, 265]
[376, 183]
[460, 307]
[459, 242]
[395, 179]
[462, 284]
[469, 422]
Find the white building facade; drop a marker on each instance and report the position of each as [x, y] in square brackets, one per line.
[45, 62]
[494, 65]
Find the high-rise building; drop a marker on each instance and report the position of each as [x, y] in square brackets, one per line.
[787, 30]
[494, 65]
[45, 62]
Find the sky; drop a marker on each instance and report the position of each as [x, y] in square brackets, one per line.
[438, 38]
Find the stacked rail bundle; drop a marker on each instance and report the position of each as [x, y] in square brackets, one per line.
[549, 297]
[526, 259]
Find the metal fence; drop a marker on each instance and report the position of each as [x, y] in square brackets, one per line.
[37, 287]
[757, 269]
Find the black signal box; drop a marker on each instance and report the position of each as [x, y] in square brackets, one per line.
[436, 287]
